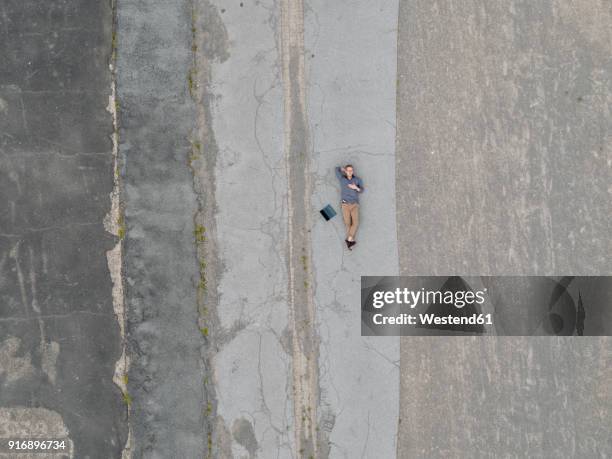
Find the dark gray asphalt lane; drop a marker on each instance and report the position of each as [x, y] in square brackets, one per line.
[157, 117]
[59, 338]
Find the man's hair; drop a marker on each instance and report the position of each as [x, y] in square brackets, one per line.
[349, 165]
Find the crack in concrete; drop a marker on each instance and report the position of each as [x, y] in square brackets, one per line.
[209, 44]
[113, 223]
[301, 298]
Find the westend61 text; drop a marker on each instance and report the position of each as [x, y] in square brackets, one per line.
[432, 319]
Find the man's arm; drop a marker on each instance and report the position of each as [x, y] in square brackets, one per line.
[360, 185]
[339, 172]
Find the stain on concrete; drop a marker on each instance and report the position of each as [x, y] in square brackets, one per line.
[211, 35]
[48, 359]
[243, 433]
[15, 364]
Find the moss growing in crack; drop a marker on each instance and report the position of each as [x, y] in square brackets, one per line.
[204, 331]
[195, 152]
[194, 49]
[114, 46]
[208, 409]
[191, 81]
[200, 237]
[202, 283]
[127, 399]
[121, 225]
[124, 379]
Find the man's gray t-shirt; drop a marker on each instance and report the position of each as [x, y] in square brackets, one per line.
[348, 194]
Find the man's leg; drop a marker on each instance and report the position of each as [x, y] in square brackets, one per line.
[346, 216]
[354, 221]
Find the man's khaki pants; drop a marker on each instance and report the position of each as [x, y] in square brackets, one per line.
[350, 214]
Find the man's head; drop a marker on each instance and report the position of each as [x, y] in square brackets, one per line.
[349, 170]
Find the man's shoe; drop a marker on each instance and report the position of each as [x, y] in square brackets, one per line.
[351, 244]
[348, 244]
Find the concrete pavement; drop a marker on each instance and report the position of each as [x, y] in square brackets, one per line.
[351, 58]
[252, 361]
[481, 131]
[505, 150]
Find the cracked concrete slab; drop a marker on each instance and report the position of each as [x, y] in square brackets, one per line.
[252, 365]
[351, 56]
[504, 139]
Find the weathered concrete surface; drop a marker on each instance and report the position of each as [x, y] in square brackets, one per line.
[305, 343]
[156, 120]
[504, 166]
[351, 62]
[59, 338]
[252, 366]
[504, 157]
